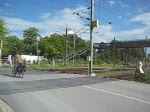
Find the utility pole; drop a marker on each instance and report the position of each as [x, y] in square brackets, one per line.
[146, 54]
[1, 53]
[91, 39]
[38, 51]
[114, 60]
[66, 46]
[74, 49]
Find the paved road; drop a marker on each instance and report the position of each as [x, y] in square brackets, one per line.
[53, 92]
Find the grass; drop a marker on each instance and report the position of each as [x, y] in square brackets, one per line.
[114, 73]
[5, 68]
[58, 65]
[70, 65]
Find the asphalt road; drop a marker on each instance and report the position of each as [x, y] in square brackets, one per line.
[53, 92]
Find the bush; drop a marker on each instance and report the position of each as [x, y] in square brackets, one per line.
[147, 75]
[142, 77]
[139, 76]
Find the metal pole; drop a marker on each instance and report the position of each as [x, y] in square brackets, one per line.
[1, 53]
[37, 53]
[114, 54]
[66, 46]
[146, 53]
[37, 48]
[91, 38]
[74, 46]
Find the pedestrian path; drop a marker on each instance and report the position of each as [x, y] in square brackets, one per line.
[5, 107]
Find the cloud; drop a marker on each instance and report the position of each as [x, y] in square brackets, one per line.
[45, 16]
[134, 34]
[105, 34]
[140, 10]
[128, 13]
[120, 17]
[144, 18]
[138, 33]
[49, 24]
[111, 3]
[65, 18]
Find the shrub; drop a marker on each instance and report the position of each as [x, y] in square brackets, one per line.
[147, 75]
[142, 77]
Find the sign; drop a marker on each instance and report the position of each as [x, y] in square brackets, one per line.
[88, 58]
[95, 23]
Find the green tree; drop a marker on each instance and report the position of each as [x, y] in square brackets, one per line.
[3, 33]
[81, 46]
[30, 36]
[3, 29]
[53, 46]
[121, 54]
[15, 44]
[5, 50]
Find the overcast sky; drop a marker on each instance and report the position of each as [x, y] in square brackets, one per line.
[130, 19]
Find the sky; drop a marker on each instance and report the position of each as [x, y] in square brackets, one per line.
[130, 19]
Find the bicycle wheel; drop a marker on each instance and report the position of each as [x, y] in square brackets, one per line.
[14, 71]
[21, 72]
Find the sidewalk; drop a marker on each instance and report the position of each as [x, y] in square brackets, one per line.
[5, 107]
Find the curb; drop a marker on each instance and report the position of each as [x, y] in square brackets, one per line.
[5, 107]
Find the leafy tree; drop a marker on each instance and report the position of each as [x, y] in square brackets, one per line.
[3, 29]
[53, 46]
[5, 50]
[30, 36]
[3, 33]
[121, 54]
[80, 46]
[15, 44]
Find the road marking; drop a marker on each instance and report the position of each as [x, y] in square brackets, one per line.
[117, 94]
[40, 77]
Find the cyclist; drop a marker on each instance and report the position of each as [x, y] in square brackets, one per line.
[19, 61]
[18, 58]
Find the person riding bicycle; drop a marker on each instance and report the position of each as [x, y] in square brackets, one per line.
[19, 60]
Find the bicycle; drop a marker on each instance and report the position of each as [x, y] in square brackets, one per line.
[20, 69]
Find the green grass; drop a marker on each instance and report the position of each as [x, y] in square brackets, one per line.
[58, 65]
[5, 68]
[70, 65]
[113, 73]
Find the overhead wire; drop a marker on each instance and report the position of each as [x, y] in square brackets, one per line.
[112, 12]
[99, 15]
[133, 5]
[40, 4]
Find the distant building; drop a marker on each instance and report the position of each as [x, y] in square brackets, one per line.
[28, 58]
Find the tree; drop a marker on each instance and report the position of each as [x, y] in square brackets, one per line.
[30, 40]
[3, 29]
[80, 45]
[5, 50]
[15, 44]
[125, 55]
[53, 46]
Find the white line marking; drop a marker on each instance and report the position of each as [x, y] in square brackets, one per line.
[117, 94]
[40, 77]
